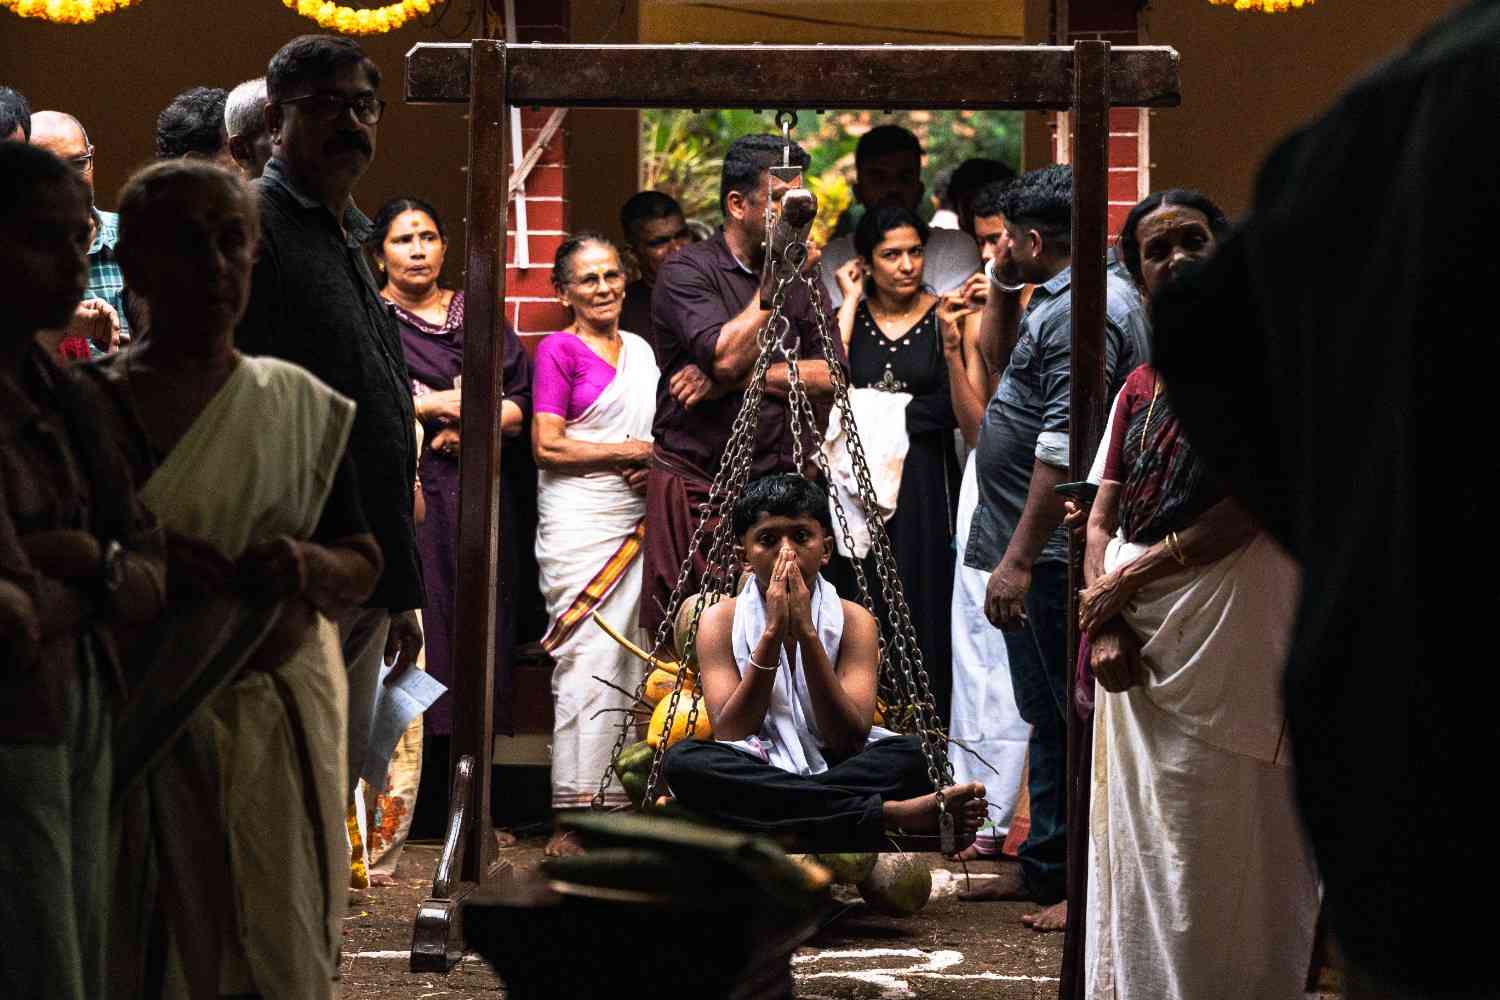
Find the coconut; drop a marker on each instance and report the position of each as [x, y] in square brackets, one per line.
[847, 869]
[899, 885]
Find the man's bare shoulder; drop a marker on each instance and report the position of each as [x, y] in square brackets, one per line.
[719, 617]
[855, 614]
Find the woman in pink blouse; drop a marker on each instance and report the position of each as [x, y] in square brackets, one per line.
[594, 397]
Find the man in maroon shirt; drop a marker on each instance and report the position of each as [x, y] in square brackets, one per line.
[706, 315]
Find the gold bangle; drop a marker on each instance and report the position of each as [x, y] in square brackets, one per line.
[1174, 548]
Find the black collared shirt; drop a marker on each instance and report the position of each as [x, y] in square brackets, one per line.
[314, 302]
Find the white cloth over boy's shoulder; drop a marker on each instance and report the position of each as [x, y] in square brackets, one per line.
[880, 418]
[952, 255]
[788, 736]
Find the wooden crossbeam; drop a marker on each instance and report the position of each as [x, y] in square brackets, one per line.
[1086, 79]
[876, 77]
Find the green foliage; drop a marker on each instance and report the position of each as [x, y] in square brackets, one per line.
[682, 151]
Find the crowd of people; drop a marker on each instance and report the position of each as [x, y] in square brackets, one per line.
[230, 446]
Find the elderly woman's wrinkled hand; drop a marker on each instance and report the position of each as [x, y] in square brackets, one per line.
[195, 567]
[274, 569]
[1103, 602]
[1115, 657]
[20, 629]
[446, 441]
[443, 406]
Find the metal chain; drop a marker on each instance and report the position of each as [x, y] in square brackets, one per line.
[739, 451]
[734, 472]
[912, 674]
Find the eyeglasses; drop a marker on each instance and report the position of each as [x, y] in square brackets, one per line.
[81, 163]
[593, 282]
[367, 108]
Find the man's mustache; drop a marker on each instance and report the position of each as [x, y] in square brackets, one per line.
[348, 140]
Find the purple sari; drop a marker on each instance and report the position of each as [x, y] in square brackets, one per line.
[434, 355]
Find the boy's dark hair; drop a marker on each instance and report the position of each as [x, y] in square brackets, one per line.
[882, 219]
[192, 124]
[308, 58]
[15, 112]
[748, 158]
[644, 206]
[1042, 200]
[1130, 248]
[783, 494]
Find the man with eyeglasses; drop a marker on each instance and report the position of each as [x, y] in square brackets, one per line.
[654, 229]
[100, 323]
[314, 302]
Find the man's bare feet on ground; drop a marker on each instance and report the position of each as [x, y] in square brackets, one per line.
[920, 815]
[564, 844]
[1008, 886]
[1053, 918]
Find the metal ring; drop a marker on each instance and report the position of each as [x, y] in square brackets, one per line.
[786, 121]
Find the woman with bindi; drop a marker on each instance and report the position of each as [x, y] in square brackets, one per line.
[1187, 618]
[595, 393]
[409, 244]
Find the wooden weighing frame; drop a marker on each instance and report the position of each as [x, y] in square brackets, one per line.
[491, 76]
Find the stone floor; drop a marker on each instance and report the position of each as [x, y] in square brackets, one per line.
[949, 950]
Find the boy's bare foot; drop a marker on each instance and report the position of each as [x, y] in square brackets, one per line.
[1053, 918]
[920, 815]
[564, 844]
[1006, 887]
[973, 853]
[380, 880]
[504, 839]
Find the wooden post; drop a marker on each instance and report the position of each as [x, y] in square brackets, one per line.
[479, 466]
[1087, 409]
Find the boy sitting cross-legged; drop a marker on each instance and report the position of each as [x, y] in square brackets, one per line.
[789, 675]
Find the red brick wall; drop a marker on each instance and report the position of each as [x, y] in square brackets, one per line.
[530, 303]
[1116, 22]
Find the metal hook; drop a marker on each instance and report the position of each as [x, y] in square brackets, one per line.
[786, 121]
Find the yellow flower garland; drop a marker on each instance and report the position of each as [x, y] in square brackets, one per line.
[65, 11]
[1265, 6]
[349, 21]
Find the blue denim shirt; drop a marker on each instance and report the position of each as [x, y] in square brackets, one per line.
[1027, 419]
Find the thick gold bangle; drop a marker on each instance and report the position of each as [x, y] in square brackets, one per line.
[1174, 547]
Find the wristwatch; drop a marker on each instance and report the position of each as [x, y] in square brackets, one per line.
[112, 566]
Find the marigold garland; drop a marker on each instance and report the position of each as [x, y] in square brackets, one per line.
[65, 11]
[1264, 6]
[351, 21]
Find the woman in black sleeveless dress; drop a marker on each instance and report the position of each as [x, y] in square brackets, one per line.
[902, 338]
